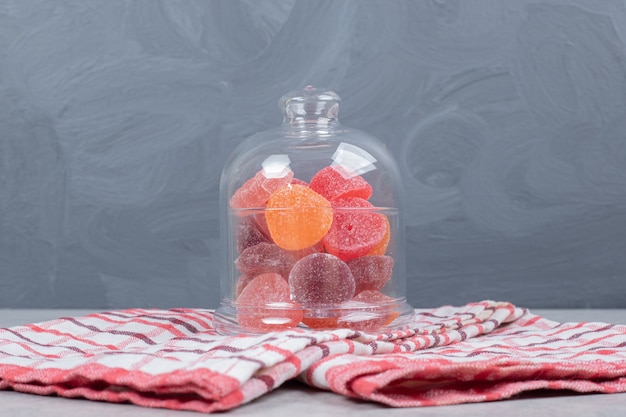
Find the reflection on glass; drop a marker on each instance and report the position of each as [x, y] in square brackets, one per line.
[356, 160]
[276, 166]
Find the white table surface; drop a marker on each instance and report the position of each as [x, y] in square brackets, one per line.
[294, 399]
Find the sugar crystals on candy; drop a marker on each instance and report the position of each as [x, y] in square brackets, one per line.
[249, 234]
[381, 247]
[299, 182]
[255, 192]
[371, 272]
[264, 305]
[242, 281]
[321, 278]
[356, 228]
[265, 257]
[297, 217]
[299, 254]
[336, 181]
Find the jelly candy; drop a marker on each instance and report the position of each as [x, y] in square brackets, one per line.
[261, 223]
[355, 229]
[336, 181]
[381, 248]
[299, 182]
[320, 323]
[265, 257]
[297, 217]
[249, 234]
[371, 311]
[371, 272]
[241, 284]
[266, 290]
[299, 254]
[321, 278]
[257, 190]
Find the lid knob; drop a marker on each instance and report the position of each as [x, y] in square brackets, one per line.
[310, 105]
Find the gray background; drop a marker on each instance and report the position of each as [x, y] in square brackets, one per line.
[508, 119]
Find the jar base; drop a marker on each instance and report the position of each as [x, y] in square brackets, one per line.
[229, 321]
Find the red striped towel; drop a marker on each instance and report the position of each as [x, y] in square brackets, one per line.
[174, 359]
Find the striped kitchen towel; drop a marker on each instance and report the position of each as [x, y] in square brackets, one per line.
[174, 358]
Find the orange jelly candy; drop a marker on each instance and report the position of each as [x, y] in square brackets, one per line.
[297, 217]
[267, 289]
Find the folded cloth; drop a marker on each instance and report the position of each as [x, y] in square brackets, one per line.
[174, 358]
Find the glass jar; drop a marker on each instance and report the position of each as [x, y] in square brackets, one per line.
[312, 227]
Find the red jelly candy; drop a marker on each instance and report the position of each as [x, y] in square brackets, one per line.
[372, 311]
[381, 248]
[249, 234]
[371, 272]
[336, 181]
[264, 257]
[264, 305]
[257, 190]
[321, 278]
[356, 229]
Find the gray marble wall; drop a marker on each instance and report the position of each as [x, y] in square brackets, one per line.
[508, 119]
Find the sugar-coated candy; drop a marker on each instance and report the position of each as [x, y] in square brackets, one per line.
[297, 217]
[321, 278]
[321, 323]
[299, 254]
[356, 228]
[381, 247]
[264, 305]
[257, 190]
[336, 181]
[259, 219]
[299, 182]
[371, 272]
[371, 311]
[265, 257]
[249, 234]
[242, 281]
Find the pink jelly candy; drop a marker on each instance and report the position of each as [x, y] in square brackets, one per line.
[321, 278]
[356, 229]
[336, 181]
[249, 234]
[371, 272]
[264, 305]
[257, 190]
[241, 284]
[372, 310]
[265, 257]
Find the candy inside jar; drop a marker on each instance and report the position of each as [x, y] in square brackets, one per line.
[312, 227]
